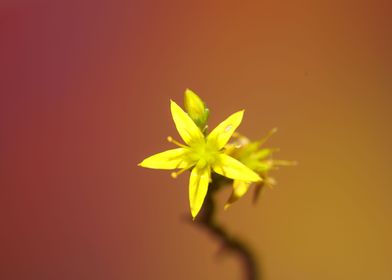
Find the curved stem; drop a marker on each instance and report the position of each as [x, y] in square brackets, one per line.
[207, 220]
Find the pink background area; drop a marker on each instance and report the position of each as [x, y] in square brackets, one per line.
[84, 96]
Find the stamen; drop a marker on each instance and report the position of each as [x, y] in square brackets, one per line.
[241, 140]
[171, 140]
[205, 130]
[274, 150]
[178, 173]
[236, 134]
[269, 134]
[284, 163]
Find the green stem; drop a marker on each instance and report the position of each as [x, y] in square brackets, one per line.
[207, 220]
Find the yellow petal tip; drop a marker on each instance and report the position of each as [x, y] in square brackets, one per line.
[227, 205]
[173, 103]
[259, 179]
[241, 112]
[188, 91]
[142, 163]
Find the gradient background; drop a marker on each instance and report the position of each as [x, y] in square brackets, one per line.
[85, 88]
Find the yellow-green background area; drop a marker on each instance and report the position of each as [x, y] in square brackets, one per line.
[85, 89]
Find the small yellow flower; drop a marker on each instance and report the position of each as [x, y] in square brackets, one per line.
[202, 154]
[256, 158]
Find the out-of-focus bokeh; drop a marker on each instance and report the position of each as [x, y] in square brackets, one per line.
[84, 96]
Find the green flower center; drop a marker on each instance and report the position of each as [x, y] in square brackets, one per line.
[203, 153]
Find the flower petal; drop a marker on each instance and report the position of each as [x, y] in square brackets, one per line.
[186, 127]
[240, 188]
[234, 169]
[222, 133]
[263, 153]
[198, 186]
[170, 159]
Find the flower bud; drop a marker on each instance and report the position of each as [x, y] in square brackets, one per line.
[196, 108]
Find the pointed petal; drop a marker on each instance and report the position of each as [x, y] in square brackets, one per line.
[263, 166]
[198, 186]
[240, 188]
[186, 127]
[170, 159]
[263, 153]
[222, 133]
[234, 169]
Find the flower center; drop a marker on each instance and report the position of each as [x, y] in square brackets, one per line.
[204, 153]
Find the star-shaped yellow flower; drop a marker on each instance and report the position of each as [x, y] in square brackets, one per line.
[252, 155]
[202, 154]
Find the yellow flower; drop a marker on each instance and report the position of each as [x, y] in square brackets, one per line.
[202, 154]
[256, 158]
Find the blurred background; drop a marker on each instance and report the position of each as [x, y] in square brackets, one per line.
[84, 96]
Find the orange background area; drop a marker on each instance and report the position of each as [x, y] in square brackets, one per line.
[84, 97]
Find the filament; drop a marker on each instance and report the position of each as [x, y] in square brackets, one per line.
[175, 142]
[269, 134]
[178, 173]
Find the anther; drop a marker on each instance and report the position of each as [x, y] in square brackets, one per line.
[178, 173]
